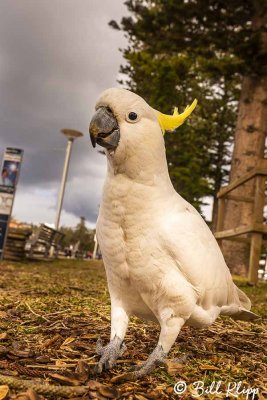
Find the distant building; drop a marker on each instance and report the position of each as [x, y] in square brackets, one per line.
[16, 224]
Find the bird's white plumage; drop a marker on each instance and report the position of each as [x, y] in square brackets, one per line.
[161, 259]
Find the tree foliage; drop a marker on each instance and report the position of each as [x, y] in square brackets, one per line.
[79, 235]
[184, 49]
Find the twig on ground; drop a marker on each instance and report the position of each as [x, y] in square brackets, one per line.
[34, 313]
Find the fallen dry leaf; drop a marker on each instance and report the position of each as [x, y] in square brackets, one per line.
[128, 376]
[89, 336]
[65, 379]
[21, 353]
[94, 395]
[108, 392]
[82, 367]
[43, 360]
[60, 363]
[32, 394]
[3, 335]
[82, 370]
[169, 390]
[205, 367]
[93, 385]
[140, 397]
[49, 342]
[68, 341]
[156, 394]
[173, 367]
[4, 389]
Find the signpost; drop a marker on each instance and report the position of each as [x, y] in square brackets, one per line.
[9, 178]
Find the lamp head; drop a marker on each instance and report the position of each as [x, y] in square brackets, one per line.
[71, 133]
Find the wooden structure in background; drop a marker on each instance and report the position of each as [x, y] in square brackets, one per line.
[253, 232]
[15, 244]
[43, 240]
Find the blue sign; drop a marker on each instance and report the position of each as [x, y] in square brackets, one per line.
[8, 181]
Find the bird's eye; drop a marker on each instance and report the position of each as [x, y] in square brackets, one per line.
[131, 116]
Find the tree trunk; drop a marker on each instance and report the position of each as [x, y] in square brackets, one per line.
[214, 217]
[249, 148]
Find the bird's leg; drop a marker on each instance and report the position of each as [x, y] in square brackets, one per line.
[116, 346]
[155, 359]
[170, 328]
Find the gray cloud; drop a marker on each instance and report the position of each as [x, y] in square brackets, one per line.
[55, 58]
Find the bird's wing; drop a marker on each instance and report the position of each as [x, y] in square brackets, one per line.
[188, 239]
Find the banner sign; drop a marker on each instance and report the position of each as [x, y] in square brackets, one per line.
[6, 199]
[3, 230]
[8, 181]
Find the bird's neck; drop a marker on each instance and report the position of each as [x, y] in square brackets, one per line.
[144, 166]
[135, 188]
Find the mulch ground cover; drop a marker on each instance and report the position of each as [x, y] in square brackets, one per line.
[52, 313]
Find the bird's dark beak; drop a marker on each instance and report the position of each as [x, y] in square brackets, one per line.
[104, 129]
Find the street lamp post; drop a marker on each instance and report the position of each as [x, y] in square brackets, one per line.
[95, 248]
[71, 135]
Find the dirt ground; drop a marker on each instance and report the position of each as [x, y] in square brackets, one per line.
[51, 314]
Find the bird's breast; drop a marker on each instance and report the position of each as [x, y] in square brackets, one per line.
[129, 216]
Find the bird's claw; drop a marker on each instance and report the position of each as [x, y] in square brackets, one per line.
[99, 347]
[109, 354]
[155, 359]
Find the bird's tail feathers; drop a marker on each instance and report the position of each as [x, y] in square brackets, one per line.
[238, 312]
[240, 308]
[244, 300]
[245, 315]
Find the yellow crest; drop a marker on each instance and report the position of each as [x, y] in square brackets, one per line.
[171, 122]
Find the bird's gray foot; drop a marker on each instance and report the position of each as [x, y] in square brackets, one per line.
[109, 353]
[156, 358]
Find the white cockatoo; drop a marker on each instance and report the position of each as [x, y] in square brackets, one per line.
[161, 259]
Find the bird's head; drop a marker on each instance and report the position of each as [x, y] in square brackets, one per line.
[125, 125]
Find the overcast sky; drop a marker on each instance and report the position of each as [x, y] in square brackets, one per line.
[55, 59]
